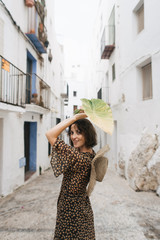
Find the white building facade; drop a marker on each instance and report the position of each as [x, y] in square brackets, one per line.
[125, 60]
[76, 80]
[31, 89]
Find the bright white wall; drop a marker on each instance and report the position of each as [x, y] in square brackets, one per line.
[13, 176]
[132, 114]
[14, 48]
[77, 81]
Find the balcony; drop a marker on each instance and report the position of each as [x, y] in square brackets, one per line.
[36, 30]
[37, 92]
[108, 42]
[20, 89]
[12, 84]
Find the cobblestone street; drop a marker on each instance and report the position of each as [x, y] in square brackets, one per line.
[120, 213]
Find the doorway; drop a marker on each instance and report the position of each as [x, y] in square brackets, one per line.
[30, 148]
[28, 81]
[31, 77]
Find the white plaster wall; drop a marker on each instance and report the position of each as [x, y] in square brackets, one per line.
[132, 46]
[138, 114]
[13, 142]
[19, 13]
[99, 69]
[77, 81]
[13, 147]
[14, 48]
[15, 51]
[135, 115]
[132, 114]
[13, 176]
[79, 88]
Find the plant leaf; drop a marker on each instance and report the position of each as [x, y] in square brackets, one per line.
[78, 111]
[99, 113]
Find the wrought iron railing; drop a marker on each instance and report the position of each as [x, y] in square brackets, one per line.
[12, 83]
[37, 91]
[18, 88]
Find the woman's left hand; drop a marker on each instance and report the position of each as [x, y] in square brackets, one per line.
[80, 116]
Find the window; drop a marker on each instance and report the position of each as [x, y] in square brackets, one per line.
[65, 102]
[139, 13]
[74, 93]
[147, 81]
[140, 18]
[99, 94]
[113, 72]
[58, 120]
[67, 90]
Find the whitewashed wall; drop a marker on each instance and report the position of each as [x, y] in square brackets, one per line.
[14, 48]
[76, 79]
[132, 115]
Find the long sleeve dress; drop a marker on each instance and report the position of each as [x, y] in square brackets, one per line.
[74, 213]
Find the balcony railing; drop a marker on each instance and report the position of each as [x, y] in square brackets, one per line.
[12, 83]
[18, 88]
[36, 30]
[108, 42]
[37, 91]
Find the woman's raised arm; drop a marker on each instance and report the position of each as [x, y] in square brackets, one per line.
[54, 132]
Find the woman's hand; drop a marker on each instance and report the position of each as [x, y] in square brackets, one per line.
[80, 116]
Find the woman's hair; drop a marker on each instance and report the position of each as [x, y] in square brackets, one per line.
[87, 130]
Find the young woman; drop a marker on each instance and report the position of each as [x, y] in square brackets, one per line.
[74, 212]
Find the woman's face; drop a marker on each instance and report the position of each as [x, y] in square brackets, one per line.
[77, 138]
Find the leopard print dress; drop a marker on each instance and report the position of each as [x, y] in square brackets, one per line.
[74, 212]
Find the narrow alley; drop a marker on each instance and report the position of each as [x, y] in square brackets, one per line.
[120, 213]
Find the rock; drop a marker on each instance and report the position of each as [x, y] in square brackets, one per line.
[154, 167]
[138, 174]
[154, 164]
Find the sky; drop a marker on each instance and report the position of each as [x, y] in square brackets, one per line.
[74, 21]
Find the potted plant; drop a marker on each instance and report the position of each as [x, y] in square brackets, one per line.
[34, 95]
[41, 27]
[29, 3]
[34, 98]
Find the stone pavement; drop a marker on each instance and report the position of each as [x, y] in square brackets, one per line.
[120, 213]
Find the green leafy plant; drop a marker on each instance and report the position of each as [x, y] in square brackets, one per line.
[99, 113]
[78, 111]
